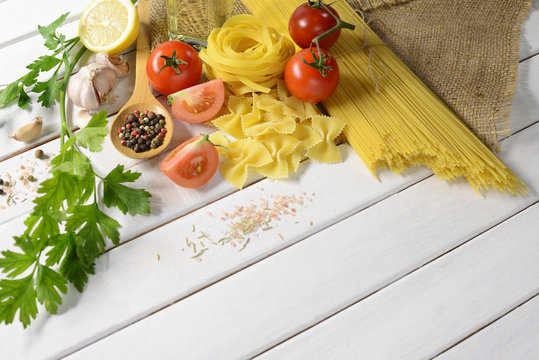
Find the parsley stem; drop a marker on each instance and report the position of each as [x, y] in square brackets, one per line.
[69, 65]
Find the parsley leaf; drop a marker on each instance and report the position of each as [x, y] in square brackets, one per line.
[133, 201]
[49, 32]
[73, 268]
[15, 264]
[9, 94]
[93, 135]
[48, 285]
[86, 221]
[60, 244]
[24, 99]
[47, 225]
[18, 294]
[61, 187]
[44, 63]
[50, 90]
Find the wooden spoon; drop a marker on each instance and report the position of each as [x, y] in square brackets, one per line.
[142, 98]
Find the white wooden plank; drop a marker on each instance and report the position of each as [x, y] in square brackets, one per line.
[21, 18]
[514, 336]
[436, 306]
[526, 98]
[374, 247]
[529, 41]
[265, 304]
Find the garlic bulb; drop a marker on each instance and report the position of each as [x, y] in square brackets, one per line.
[29, 131]
[89, 87]
[115, 62]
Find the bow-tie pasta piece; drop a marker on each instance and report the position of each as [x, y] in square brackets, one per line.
[329, 128]
[280, 146]
[308, 137]
[260, 122]
[241, 155]
[231, 123]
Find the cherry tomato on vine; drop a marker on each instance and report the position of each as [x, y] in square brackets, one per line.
[306, 82]
[193, 163]
[309, 21]
[198, 103]
[173, 66]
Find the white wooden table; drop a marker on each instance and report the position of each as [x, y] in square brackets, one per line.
[408, 267]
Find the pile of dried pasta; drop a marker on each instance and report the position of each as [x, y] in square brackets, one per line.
[404, 124]
[247, 54]
[271, 133]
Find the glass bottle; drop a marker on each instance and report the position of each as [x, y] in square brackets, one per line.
[191, 21]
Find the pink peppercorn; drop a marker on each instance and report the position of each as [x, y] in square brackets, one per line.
[128, 126]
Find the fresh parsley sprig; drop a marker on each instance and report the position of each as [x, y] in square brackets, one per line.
[67, 230]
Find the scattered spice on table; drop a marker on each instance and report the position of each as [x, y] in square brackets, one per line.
[246, 222]
[20, 184]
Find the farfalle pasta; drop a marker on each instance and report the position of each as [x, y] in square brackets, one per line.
[247, 54]
[271, 133]
[240, 155]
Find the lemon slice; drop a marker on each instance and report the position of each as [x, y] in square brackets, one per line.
[109, 26]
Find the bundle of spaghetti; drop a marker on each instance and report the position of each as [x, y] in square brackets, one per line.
[403, 124]
[247, 54]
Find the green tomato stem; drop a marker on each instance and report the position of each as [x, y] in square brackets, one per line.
[319, 62]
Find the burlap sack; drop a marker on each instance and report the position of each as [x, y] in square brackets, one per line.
[466, 51]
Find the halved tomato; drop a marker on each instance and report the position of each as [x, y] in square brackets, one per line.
[193, 163]
[198, 103]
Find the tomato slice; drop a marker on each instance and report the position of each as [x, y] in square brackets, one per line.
[193, 163]
[198, 103]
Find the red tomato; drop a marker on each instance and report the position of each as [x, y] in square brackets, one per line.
[173, 66]
[307, 83]
[198, 103]
[307, 22]
[193, 163]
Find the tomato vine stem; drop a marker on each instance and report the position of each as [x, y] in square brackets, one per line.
[319, 61]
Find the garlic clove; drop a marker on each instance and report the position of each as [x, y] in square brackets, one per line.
[90, 86]
[29, 131]
[103, 79]
[81, 91]
[115, 62]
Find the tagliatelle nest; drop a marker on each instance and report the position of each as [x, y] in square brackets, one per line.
[247, 54]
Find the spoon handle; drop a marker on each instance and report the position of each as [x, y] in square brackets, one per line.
[143, 47]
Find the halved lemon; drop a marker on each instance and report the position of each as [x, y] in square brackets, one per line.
[109, 26]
